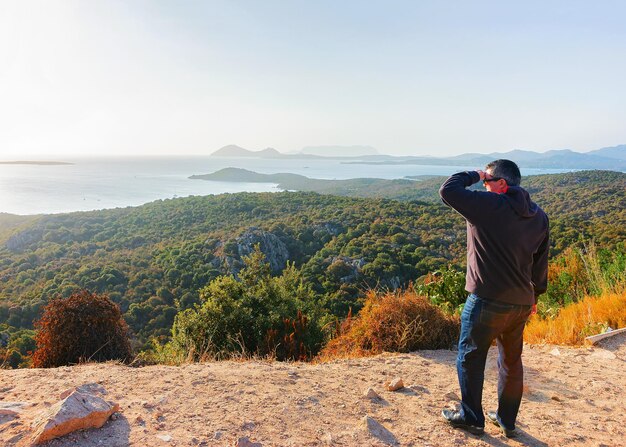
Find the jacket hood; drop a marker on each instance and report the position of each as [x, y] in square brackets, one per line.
[519, 199]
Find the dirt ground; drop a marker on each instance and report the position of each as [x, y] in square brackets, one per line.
[573, 397]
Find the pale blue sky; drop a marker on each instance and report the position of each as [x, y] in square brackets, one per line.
[407, 77]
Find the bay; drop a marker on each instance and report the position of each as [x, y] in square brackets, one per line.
[99, 183]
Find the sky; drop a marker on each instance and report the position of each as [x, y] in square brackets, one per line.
[429, 77]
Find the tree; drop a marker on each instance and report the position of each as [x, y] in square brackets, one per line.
[84, 327]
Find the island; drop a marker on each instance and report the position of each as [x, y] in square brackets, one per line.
[414, 188]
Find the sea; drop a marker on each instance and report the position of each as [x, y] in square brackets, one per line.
[100, 183]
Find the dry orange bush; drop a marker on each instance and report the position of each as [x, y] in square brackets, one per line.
[395, 322]
[578, 320]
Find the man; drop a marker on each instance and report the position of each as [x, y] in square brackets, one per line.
[507, 269]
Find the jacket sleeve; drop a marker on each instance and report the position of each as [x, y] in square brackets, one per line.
[540, 264]
[470, 204]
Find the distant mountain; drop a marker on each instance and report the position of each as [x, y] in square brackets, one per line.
[236, 151]
[563, 158]
[232, 151]
[613, 158]
[618, 152]
[339, 151]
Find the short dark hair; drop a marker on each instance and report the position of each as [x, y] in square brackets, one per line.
[505, 169]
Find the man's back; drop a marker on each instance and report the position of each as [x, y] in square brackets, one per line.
[507, 240]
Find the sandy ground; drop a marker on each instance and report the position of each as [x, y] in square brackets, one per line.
[573, 396]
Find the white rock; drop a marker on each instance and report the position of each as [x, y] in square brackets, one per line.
[555, 352]
[166, 438]
[77, 411]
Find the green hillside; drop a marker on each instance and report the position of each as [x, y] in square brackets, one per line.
[154, 259]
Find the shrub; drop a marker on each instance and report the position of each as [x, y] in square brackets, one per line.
[445, 288]
[579, 273]
[396, 322]
[10, 358]
[83, 327]
[257, 314]
[573, 323]
[16, 347]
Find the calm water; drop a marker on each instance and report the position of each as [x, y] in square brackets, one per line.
[91, 184]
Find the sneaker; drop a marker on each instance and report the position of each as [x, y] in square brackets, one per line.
[455, 419]
[493, 417]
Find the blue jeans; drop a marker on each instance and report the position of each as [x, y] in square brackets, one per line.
[482, 321]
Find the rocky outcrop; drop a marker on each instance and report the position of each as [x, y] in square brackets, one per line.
[345, 268]
[273, 248]
[230, 254]
[20, 240]
[332, 228]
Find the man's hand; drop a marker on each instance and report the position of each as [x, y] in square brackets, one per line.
[481, 174]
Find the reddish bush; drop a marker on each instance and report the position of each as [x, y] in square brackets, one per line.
[292, 343]
[83, 327]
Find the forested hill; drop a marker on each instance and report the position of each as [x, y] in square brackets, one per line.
[153, 259]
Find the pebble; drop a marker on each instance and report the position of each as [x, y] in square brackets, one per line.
[245, 442]
[376, 429]
[371, 394]
[452, 396]
[327, 438]
[395, 384]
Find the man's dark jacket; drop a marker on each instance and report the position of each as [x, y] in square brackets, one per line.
[507, 240]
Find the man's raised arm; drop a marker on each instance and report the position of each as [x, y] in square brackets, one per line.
[454, 193]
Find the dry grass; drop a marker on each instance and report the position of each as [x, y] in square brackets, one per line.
[573, 323]
[394, 322]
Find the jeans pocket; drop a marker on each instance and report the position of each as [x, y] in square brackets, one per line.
[493, 314]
